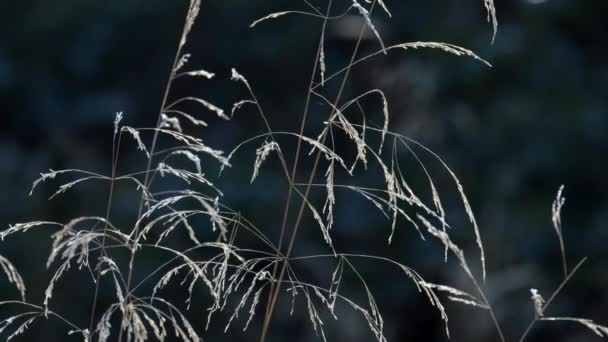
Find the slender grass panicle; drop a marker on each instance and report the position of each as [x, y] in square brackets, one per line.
[243, 284]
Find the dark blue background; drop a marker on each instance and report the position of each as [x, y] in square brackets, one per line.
[512, 133]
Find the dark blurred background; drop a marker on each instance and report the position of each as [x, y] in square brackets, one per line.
[512, 133]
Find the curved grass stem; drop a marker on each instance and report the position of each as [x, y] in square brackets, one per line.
[277, 288]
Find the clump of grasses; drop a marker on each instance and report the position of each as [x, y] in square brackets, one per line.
[248, 281]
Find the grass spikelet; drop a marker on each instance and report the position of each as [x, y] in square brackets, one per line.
[237, 77]
[237, 105]
[254, 303]
[6, 323]
[195, 6]
[385, 113]
[220, 112]
[368, 20]
[539, 302]
[273, 16]
[261, 154]
[24, 227]
[473, 220]
[449, 48]
[258, 277]
[456, 294]
[556, 218]
[599, 330]
[194, 158]
[157, 328]
[327, 152]
[22, 328]
[465, 202]
[336, 280]
[200, 73]
[86, 335]
[104, 325]
[196, 145]
[48, 293]
[322, 65]
[315, 319]
[328, 207]
[445, 239]
[170, 123]
[190, 118]
[44, 177]
[389, 178]
[183, 60]
[65, 187]
[319, 219]
[67, 241]
[491, 9]
[468, 302]
[186, 176]
[469, 212]
[13, 276]
[440, 210]
[353, 134]
[386, 120]
[135, 134]
[117, 120]
[384, 7]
